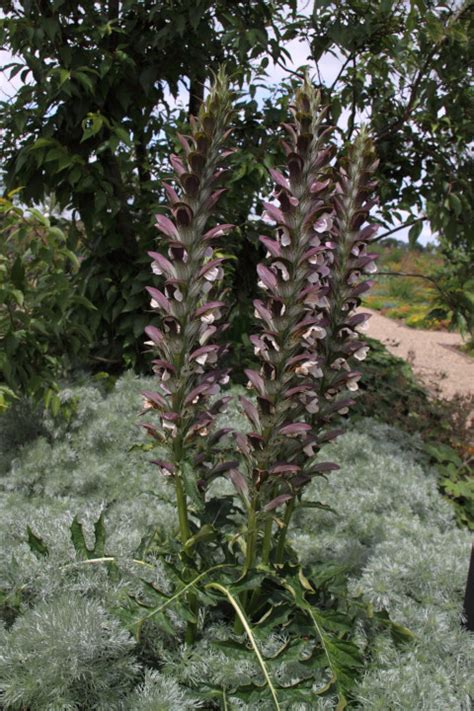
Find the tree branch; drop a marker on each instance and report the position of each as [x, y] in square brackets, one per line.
[400, 227]
[349, 58]
[413, 276]
[196, 92]
[351, 123]
[406, 274]
[290, 71]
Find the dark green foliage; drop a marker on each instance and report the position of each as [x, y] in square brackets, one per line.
[454, 294]
[407, 68]
[40, 337]
[36, 544]
[455, 479]
[21, 423]
[100, 134]
[79, 542]
[103, 78]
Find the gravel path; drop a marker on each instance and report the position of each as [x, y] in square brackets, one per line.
[432, 354]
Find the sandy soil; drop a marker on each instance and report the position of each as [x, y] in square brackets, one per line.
[433, 355]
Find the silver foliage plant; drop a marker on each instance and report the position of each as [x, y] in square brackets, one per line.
[400, 544]
[63, 652]
[308, 344]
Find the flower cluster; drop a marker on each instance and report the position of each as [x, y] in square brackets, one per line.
[351, 265]
[294, 279]
[187, 366]
[313, 278]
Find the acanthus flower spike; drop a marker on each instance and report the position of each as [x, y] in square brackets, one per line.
[287, 343]
[348, 279]
[191, 317]
[314, 275]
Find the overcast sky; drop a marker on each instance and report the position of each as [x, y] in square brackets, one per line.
[299, 50]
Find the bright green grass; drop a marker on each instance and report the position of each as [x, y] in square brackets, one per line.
[67, 651]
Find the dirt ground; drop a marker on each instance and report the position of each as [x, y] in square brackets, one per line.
[433, 355]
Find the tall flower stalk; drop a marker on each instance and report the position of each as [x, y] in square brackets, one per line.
[287, 342]
[349, 263]
[187, 356]
[311, 279]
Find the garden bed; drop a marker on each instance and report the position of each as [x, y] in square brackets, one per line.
[65, 644]
[408, 299]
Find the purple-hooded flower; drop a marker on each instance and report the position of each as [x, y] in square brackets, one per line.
[187, 359]
[312, 281]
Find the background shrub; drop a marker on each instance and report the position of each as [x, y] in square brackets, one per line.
[39, 338]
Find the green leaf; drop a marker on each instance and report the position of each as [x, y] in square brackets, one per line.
[414, 232]
[174, 598]
[78, 540]
[37, 545]
[205, 533]
[100, 536]
[84, 79]
[316, 505]
[442, 453]
[343, 657]
[42, 143]
[18, 296]
[64, 75]
[123, 135]
[400, 634]
[191, 487]
[91, 125]
[455, 204]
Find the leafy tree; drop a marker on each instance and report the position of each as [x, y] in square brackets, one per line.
[405, 70]
[90, 121]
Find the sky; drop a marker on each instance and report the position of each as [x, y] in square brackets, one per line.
[329, 67]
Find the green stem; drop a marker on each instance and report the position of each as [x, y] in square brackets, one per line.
[251, 538]
[182, 509]
[290, 507]
[266, 548]
[191, 627]
[250, 555]
[267, 541]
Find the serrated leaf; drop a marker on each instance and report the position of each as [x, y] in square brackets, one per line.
[79, 541]
[205, 533]
[342, 656]
[173, 598]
